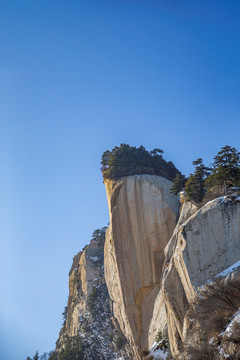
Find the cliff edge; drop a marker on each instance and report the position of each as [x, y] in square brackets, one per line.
[143, 215]
[158, 273]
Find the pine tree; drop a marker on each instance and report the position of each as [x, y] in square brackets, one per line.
[64, 314]
[195, 185]
[98, 236]
[178, 184]
[73, 349]
[226, 169]
[36, 356]
[156, 152]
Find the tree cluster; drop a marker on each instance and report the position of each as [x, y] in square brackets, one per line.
[214, 180]
[98, 236]
[126, 160]
[73, 349]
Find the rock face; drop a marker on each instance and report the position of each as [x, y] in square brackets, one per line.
[202, 247]
[156, 256]
[159, 318]
[89, 311]
[143, 215]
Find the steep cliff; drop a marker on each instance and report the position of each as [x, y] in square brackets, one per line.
[143, 215]
[89, 317]
[159, 318]
[159, 271]
[202, 247]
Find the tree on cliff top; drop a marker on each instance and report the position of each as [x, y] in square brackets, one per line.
[98, 236]
[178, 184]
[195, 185]
[207, 183]
[226, 169]
[126, 160]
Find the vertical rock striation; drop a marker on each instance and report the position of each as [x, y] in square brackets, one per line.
[202, 247]
[154, 262]
[89, 311]
[143, 215]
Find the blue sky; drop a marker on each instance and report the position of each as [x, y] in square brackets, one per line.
[77, 78]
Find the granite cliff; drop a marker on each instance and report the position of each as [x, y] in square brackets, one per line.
[159, 255]
[89, 316]
[207, 243]
[143, 215]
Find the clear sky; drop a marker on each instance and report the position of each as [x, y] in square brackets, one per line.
[78, 77]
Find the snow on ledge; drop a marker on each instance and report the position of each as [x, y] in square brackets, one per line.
[228, 270]
[229, 329]
[158, 354]
[222, 274]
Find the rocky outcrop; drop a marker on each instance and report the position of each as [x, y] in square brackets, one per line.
[143, 215]
[159, 317]
[187, 209]
[89, 312]
[202, 247]
[157, 258]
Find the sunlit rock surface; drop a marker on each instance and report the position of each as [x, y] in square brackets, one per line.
[203, 246]
[143, 215]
